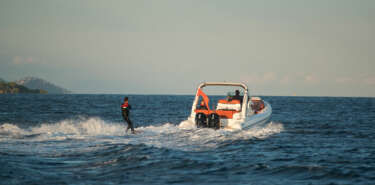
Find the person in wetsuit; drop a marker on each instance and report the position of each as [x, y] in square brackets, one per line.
[125, 107]
[237, 96]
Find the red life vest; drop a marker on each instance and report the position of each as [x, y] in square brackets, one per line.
[125, 105]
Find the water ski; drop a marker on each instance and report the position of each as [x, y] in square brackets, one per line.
[137, 132]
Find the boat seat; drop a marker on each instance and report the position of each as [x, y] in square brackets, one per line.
[234, 105]
[226, 109]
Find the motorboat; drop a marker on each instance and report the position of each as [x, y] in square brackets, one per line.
[234, 111]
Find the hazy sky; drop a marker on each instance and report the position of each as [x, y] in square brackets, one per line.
[277, 47]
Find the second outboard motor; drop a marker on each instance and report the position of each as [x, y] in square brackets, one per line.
[201, 120]
[214, 121]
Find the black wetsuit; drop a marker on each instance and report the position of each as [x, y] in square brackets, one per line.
[238, 97]
[125, 114]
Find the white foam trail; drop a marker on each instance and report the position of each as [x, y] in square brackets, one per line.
[260, 132]
[67, 129]
[90, 127]
[11, 130]
[184, 136]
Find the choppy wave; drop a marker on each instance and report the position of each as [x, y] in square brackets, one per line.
[325, 141]
[165, 135]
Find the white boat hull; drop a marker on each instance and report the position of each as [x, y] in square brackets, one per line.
[251, 120]
[259, 119]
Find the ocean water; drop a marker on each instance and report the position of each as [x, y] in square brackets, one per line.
[81, 139]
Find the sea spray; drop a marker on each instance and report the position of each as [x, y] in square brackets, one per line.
[66, 129]
[181, 137]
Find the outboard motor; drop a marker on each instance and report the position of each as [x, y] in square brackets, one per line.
[214, 121]
[201, 120]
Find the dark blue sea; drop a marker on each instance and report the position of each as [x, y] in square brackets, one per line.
[81, 139]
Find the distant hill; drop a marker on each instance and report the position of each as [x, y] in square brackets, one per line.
[37, 83]
[13, 88]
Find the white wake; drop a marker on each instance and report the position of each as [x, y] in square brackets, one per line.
[182, 137]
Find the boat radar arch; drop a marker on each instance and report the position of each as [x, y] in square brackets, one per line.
[204, 84]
